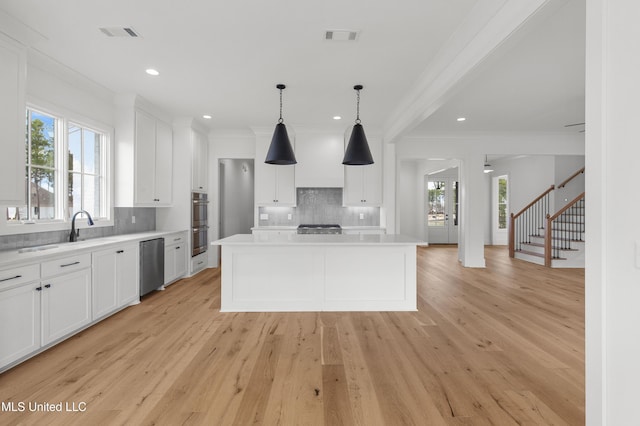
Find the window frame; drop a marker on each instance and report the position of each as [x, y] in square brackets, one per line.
[62, 220]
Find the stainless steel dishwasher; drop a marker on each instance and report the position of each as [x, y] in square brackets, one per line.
[151, 265]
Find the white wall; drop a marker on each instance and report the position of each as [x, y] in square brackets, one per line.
[407, 221]
[224, 144]
[612, 284]
[567, 165]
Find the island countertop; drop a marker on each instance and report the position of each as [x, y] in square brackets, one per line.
[319, 239]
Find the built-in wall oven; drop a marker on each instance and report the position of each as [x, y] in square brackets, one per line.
[199, 223]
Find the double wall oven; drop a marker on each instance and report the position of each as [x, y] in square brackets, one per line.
[199, 223]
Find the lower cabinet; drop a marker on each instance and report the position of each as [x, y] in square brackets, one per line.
[115, 279]
[66, 304]
[19, 322]
[175, 257]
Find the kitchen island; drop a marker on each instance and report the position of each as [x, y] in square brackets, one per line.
[318, 273]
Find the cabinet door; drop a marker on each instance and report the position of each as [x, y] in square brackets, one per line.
[164, 164]
[285, 186]
[127, 274]
[66, 304]
[104, 283]
[353, 186]
[169, 263]
[19, 322]
[199, 162]
[372, 185]
[12, 119]
[181, 260]
[145, 154]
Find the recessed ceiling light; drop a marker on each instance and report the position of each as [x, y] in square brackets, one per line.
[337, 117]
[206, 117]
[461, 119]
[153, 72]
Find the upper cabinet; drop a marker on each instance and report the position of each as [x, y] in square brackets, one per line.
[274, 185]
[363, 184]
[199, 162]
[143, 155]
[153, 161]
[12, 119]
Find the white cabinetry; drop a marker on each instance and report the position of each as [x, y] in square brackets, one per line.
[363, 184]
[274, 184]
[199, 162]
[153, 161]
[115, 279]
[19, 313]
[66, 296]
[175, 257]
[12, 119]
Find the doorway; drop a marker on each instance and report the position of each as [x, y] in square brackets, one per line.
[442, 210]
[236, 182]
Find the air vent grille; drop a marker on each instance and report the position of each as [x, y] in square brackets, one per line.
[119, 32]
[341, 35]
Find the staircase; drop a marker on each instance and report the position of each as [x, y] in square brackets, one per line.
[557, 240]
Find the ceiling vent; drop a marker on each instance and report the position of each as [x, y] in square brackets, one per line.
[341, 35]
[120, 32]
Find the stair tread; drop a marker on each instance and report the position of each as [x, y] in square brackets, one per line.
[532, 253]
[553, 247]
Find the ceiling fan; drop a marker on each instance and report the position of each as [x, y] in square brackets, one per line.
[576, 124]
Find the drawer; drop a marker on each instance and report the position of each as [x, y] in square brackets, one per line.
[66, 264]
[174, 239]
[15, 276]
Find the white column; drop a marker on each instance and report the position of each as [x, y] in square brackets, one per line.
[613, 202]
[472, 208]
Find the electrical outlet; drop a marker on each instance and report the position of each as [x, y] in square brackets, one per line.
[361, 216]
[289, 216]
[133, 219]
[264, 216]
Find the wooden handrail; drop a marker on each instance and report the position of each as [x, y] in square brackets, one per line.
[565, 208]
[570, 178]
[551, 188]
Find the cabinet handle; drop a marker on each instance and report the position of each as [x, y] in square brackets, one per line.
[47, 286]
[177, 239]
[11, 278]
[120, 251]
[69, 264]
[200, 263]
[178, 248]
[38, 288]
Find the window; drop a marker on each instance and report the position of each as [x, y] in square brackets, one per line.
[86, 182]
[502, 202]
[65, 171]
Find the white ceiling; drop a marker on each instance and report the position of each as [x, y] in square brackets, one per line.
[225, 58]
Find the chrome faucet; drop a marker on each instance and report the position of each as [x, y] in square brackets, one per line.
[74, 233]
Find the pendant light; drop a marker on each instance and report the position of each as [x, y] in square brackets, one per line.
[357, 152]
[487, 166]
[280, 151]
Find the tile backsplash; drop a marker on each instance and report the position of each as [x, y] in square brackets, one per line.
[145, 221]
[320, 206]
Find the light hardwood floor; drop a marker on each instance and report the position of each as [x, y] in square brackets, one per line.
[502, 345]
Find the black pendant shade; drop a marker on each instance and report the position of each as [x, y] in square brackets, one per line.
[280, 151]
[357, 152]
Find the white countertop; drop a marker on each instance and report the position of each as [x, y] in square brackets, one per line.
[318, 239]
[15, 258]
[291, 227]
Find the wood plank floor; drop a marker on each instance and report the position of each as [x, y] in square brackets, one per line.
[497, 346]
